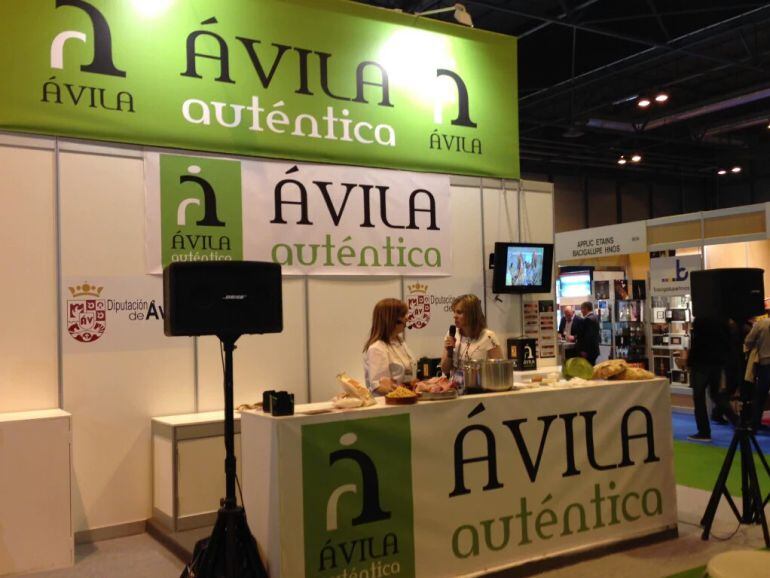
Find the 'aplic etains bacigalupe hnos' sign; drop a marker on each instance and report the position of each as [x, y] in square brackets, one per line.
[312, 219]
[320, 80]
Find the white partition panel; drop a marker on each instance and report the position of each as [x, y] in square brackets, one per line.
[339, 319]
[112, 394]
[260, 362]
[515, 217]
[467, 275]
[501, 225]
[29, 371]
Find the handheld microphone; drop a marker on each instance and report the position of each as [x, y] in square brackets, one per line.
[452, 333]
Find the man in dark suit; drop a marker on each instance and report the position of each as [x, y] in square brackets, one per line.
[588, 335]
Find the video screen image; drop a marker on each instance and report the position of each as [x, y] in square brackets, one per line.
[524, 266]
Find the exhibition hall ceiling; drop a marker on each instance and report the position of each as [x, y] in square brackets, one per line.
[585, 65]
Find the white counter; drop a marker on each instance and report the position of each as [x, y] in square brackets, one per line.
[459, 487]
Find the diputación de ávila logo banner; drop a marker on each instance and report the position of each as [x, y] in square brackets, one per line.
[319, 80]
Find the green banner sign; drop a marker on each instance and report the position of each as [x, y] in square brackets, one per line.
[357, 498]
[317, 80]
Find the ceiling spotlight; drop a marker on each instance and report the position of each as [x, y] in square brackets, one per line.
[636, 158]
[662, 97]
[721, 172]
[643, 102]
[622, 160]
[735, 170]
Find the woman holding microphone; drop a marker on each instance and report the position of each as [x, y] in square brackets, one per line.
[473, 341]
[388, 362]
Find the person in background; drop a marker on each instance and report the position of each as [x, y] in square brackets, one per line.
[759, 339]
[588, 334]
[569, 324]
[735, 368]
[388, 362]
[706, 360]
[473, 340]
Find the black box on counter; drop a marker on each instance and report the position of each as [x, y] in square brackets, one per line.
[523, 352]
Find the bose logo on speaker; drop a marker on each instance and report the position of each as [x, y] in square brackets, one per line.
[235, 297]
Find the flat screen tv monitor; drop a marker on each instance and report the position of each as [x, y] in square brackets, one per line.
[522, 268]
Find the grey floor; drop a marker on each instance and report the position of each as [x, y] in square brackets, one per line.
[141, 556]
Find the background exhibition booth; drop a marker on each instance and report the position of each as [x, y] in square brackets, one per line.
[637, 275]
[378, 161]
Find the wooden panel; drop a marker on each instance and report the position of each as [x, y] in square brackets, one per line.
[674, 233]
[743, 224]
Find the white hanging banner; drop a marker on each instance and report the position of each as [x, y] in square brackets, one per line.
[671, 275]
[602, 241]
[312, 219]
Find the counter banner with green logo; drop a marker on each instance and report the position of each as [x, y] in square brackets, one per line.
[459, 487]
[310, 218]
[312, 80]
[357, 498]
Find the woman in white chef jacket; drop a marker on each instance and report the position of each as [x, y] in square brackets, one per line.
[388, 362]
[473, 341]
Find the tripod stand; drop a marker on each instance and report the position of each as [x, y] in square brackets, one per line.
[753, 505]
[231, 550]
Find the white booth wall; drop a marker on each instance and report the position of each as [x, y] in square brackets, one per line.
[75, 210]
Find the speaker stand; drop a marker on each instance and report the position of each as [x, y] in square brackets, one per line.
[231, 550]
[753, 504]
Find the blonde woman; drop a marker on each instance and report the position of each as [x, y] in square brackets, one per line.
[388, 362]
[473, 340]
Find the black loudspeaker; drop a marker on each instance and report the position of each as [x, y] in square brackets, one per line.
[734, 293]
[225, 298]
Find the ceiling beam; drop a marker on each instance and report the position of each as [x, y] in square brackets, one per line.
[662, 26]
[666, 13]
[651, 44]
[561, 16]
[646, 56]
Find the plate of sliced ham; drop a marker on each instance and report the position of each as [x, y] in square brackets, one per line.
[436, 388]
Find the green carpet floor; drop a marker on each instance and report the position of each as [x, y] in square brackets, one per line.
[693, 573]
[697, 466]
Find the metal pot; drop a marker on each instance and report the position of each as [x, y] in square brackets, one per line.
[497, 374]
[472, 373]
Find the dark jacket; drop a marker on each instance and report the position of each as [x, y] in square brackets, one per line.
[709, 342]
[587, 338]
[576, 321]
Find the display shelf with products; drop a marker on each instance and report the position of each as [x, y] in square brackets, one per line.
[671, 320]
[629, 332]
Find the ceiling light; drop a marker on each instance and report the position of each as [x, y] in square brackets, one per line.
[721, 172]
[460, 13]
[643, 102]
[735, 170]
[622, 160]
[662, 97]
[636, 158]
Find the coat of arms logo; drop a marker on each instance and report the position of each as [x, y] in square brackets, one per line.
[419, 306]
[86, 313]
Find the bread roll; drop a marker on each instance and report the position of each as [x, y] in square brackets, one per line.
[606, 369]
